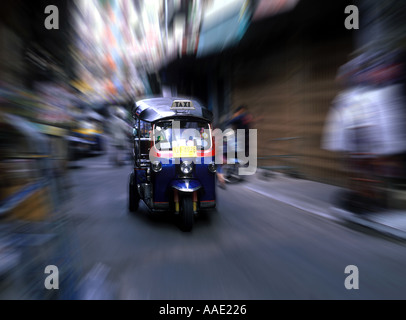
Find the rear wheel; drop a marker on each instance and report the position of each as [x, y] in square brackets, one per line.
[186, 213]
[133, 197]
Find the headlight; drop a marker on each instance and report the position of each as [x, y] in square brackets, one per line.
[212, 167]
[156, 166]
[186, 167]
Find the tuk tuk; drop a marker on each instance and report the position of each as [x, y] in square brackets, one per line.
[174, 153]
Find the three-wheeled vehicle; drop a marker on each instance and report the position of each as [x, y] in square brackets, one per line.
[174, 153]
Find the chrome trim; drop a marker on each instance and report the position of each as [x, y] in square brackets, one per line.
[186, 164]
[187, 189]
[156, 164]
[213, 165]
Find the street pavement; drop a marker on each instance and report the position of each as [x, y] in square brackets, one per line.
[268, 239]
[320, 199]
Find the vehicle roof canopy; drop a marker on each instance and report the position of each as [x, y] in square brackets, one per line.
[154, 109]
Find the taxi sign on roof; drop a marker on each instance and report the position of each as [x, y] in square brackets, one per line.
[182, 105]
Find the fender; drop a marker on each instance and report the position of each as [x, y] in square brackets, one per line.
[186, 185]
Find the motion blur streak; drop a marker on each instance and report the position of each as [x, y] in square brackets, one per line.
[328, 104]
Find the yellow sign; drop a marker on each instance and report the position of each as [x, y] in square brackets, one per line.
[184, 152]
[182, 105]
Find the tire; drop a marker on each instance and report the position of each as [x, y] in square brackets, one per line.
[186, 213]
[133, 197]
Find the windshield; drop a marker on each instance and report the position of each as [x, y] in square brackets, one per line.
[172, 134]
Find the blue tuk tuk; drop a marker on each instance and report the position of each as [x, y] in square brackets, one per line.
[174, 158]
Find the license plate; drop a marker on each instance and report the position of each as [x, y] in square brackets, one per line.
[184, 152]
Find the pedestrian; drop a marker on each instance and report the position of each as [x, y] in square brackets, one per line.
[220, 175]
[241, 120]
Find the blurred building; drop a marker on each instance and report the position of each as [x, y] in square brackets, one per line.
[29, 52]
[36, 67]
[280, 58]
[289, 79]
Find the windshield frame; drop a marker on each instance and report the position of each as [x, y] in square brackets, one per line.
[169, 151]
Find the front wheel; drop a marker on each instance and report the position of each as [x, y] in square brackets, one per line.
[186, 213]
